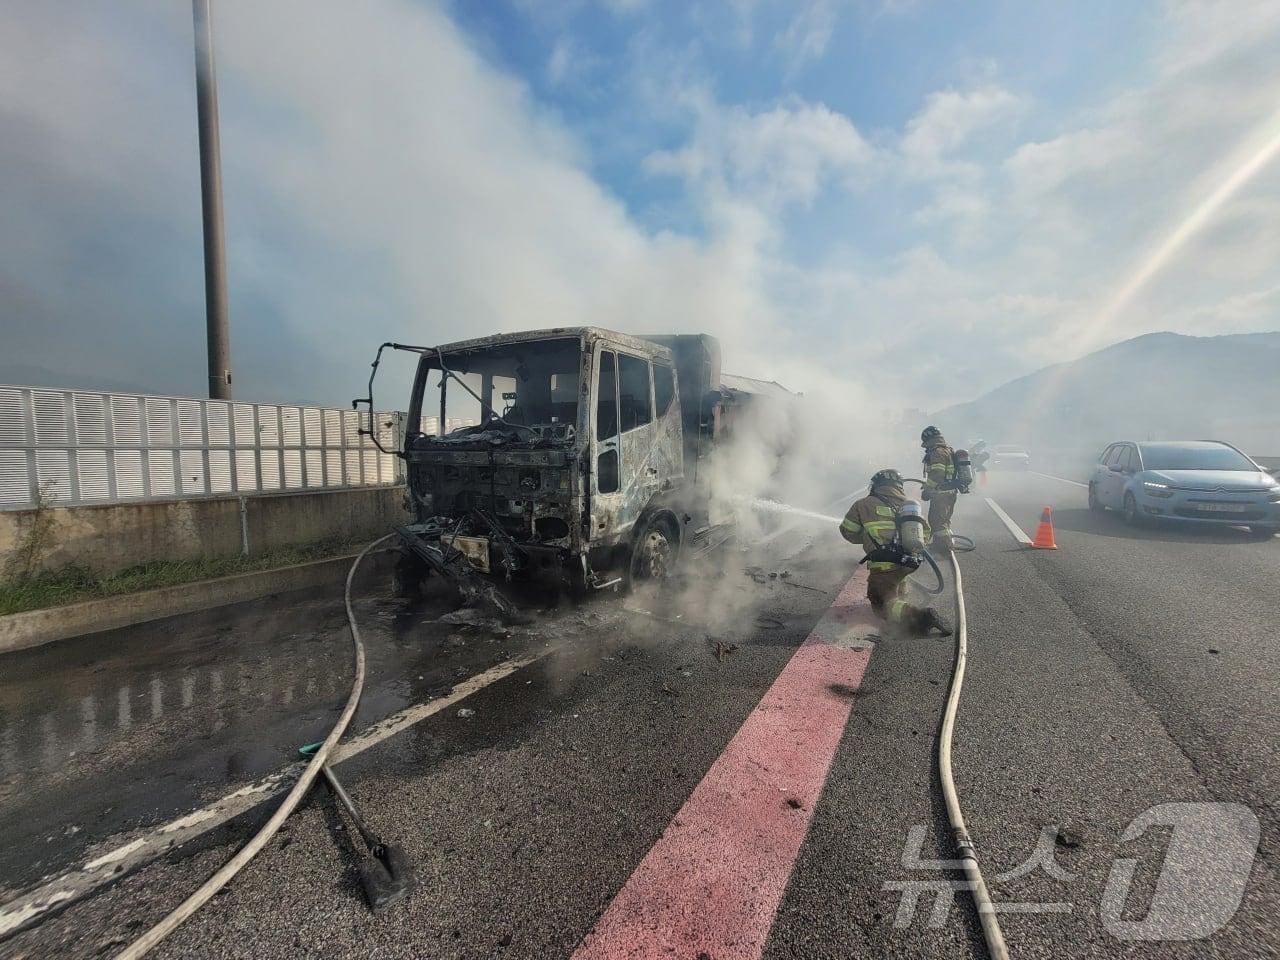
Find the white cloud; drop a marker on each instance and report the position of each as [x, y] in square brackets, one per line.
[570, 62]
[783, 155]
[809, 32]
[949, 120]
[1040, 168]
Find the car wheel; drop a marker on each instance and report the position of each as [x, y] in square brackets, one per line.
[1263, 533]
[1131, 515]
[1094, 503]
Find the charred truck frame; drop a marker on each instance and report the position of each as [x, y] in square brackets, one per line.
[587, 463]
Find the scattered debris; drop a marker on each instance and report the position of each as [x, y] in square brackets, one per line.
[794, 804]
[666, 689]
[466, 712]
[805, 586]
[1068, 839]
[769, 623]
[722, 648]
[469, 618]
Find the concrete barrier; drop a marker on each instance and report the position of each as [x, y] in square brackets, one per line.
[107, 539]
[19, 631]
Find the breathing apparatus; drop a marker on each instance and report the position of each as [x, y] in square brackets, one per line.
[907, 548]
[910, 523]
[909, 536]
[962, 466]
[963, 471]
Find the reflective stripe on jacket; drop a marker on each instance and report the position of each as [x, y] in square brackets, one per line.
[938, 465]
[871, 520]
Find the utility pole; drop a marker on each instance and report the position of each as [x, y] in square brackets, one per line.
[215, 257]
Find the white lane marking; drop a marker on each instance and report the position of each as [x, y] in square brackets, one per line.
[119, 853]
[1050, 476]
[1016, 530]
[75, 884]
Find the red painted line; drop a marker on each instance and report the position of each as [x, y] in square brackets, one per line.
[713, 881]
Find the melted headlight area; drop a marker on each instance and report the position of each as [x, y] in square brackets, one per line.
[527, 495]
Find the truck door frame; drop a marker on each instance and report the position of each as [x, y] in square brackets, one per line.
[614, 512]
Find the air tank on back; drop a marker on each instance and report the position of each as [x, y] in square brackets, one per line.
[963, 469]
[910, 521]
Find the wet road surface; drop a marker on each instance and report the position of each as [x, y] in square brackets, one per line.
[1092, 696]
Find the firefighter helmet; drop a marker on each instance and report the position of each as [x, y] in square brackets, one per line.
[886, 478]
[929, 433]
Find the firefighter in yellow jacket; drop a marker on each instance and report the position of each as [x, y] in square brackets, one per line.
[871, 522]
[939, 470]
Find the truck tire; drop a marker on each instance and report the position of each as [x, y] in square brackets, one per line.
[654, 554]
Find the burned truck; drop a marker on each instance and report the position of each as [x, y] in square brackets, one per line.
[579, 455]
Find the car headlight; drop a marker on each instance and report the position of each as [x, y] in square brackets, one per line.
[1154, 489]
[1274, 494]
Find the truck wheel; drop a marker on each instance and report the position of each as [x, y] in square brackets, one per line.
[654, 555]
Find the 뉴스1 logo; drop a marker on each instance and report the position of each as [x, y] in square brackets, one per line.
[1202, 875]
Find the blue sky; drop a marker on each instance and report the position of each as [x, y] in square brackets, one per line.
[836, 188]
[607, 71]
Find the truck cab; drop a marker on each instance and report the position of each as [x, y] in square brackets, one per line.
[567, 453]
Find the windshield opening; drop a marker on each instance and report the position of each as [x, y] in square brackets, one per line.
[528, 384]
[1172, 457]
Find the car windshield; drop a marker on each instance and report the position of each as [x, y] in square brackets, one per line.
[1210, 457]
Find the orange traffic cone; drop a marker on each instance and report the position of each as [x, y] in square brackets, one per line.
[1044, 533]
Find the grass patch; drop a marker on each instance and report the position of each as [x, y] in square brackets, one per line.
[74, 584]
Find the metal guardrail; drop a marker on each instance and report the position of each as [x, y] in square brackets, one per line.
[80, 447]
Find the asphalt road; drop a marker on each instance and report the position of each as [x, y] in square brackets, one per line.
[1125, 671]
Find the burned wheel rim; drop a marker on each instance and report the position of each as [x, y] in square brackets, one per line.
[652, 559]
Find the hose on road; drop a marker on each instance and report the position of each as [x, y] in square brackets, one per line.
[991, 932]
[223, 876]
[928, 558]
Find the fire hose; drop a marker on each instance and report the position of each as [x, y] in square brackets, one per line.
[224, 875]
[968, 853]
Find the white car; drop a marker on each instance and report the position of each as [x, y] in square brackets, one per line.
[1006, 456]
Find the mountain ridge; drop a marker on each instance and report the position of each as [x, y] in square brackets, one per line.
[1159, 384]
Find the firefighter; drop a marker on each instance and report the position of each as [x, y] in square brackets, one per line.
[871, 523]
[939, 471]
